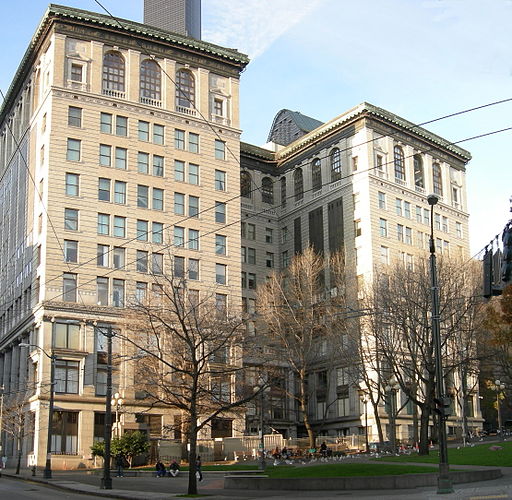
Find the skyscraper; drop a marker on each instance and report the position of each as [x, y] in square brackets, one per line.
[179, 16]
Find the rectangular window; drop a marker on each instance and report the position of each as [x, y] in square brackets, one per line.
[103, 224]
[121, 155]
[269, 260]
[76, 74]
[73, 150]
[445, 224]
[120, 192]
[102, 291]
[400, 232]
[384, 255]
[357, 228]
[74, 116]
[220, 180]
[142, 230]
[157, 263]
[179, 203]
[179, 171]
[458, 229]
[179, 236]
[251, 231]
[179, 267]
[179, 139]
[105, 155]
[251, 281]
[193, 206]
[193, 142]
[220, 244]
[65, 433]
[426, 216]
[121, 126]
[158, 166]
[218, 107]
[66, 377]
[118, 293]
[220, 212]
[398, 206]
[158, 232]
[142, 261]
[220, 150]
[193, 239]
[220, 274]
[408, 235]
[102, 252]
[71, 219]
[70, 251]
[69, 287]
[158, 199]
[285, 259]
[284, 235]
[251, 256]
[419, 217]
[142, 196]
[437, 222]
[193, 174]
[158, 133]
[141, 291]
[382, 201]
[355, 163]
[383, 227]
[193, 269]
[66, 335]
[119, 257]
[72, 184]
[106, 123]
[269, 235]
[119, 226]
[143, 131]
[143, 162]
[407, 209]
[244, 280]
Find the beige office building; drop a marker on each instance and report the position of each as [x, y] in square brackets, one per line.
[119, 148]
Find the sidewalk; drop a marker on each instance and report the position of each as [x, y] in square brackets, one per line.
[164, 488]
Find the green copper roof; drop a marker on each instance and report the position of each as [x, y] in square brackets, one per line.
[143, 29]
[379, 113]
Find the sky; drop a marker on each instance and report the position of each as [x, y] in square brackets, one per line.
[420, 59]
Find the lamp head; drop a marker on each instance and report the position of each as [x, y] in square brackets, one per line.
[432, 199]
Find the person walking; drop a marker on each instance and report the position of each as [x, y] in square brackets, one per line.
[199, 472]
[119, 465]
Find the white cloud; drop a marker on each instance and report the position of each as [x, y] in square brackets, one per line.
[252, 26]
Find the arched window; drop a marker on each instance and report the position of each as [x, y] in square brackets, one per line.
[335, 165]
[150, 80]
[113, 71]
[437, 180]
[267, 190]
[283, 191]
[185, 89]
[298, 184]
[399, 163]
[246, 184]
[419, 178]
[316, 175]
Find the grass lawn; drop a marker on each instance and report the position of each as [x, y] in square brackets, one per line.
[477, 455]
[345, 469]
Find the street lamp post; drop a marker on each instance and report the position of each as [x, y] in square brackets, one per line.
[392, 389]
[117, 403]
[363, 396]
[47, 474]
[444, 483]
[106, 480]
[500, 387]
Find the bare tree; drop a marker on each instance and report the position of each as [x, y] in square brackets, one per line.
[402, 299]
[301, 318]
[187, 347]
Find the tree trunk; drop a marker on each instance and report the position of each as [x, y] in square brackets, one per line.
[303, 403]
[192, 480]
[424, 422]
[18, 463]
[378, 422]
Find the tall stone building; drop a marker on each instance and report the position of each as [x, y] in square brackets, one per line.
[179, 16]
[118, 142]
[359, 183]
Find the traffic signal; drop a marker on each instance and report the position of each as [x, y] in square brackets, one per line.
[442, 406]
[506, 259]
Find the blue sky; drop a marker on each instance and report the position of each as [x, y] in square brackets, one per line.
[420, 59]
